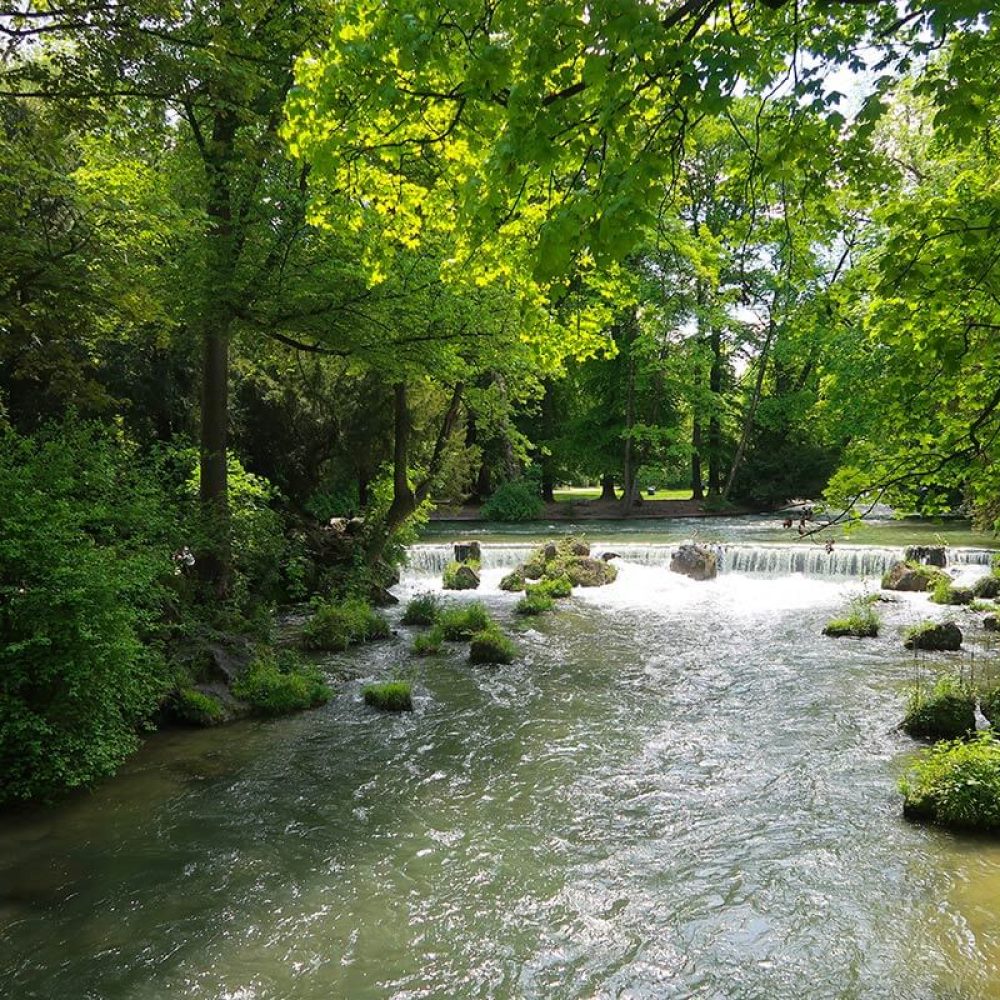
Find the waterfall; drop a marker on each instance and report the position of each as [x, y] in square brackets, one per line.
[848, 561]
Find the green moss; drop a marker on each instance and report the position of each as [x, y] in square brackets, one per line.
[534, 568]
[197, 708]
[422, 610]
[461, 576]
[943, 712]
[534, 603]
[860, 622]
[945, 592]
[513, 582]
[337, 626]
[390, 696]
[279, 682]
[429, 643]
[956, 784]
[491, 646]
[461, 623]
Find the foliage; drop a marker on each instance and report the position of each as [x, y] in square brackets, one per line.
[337, 626]
[429, 643]
[956, 784]
[197, 708]
[987, 587]
[944, 712]
[277, 683]
[491, 646]
[534, 603]
[461, 576]
[861, 621]
[515, 501]
[86, 532]
[552, 586]
[389, 696]
[422, 610]
[459, 624]
[513, 582]
[945, 592]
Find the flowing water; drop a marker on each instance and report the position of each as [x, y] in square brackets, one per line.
[677, 790]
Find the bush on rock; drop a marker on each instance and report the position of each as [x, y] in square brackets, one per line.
[944, 712]
[337, 626]
[491, 646]
[390, 696]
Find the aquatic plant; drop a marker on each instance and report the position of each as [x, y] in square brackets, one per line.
[462, 623]
[428, 643]
[945, 592]
[535, 602]
[860, 622]
[945, 711]
[337, 626]
[956, 784]
[461, 576]
[491, 646]
[422, 610]
[389, 696]
[276, 683]
[554, 586]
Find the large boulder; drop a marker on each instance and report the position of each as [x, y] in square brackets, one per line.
[936, 636]
[987, 588]
[460, 577]
[695, 561]
[902, 576]
[927, 555]
[583, 571]
[991, 623]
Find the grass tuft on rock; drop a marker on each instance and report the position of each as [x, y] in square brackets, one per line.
[461, 576]
[942, 712]
[197, 708]
[422, 610]
[945, 592]
[535, 602]
[491, 646]
[337, 626]
[956, 784]
[860, 622]
[389, 696]
[462, 623]
[277, 683]
[429, 643]
[935, 636]
[552, 586]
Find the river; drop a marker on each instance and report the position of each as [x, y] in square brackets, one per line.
[677, 790]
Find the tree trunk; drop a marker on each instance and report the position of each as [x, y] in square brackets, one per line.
[362, 490]
[545, 458]
[714, 422]
[608, 488]
[697, 493]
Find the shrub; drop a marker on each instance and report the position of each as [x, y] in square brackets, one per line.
[198, 708]
[491, 646]
[517, 500]
[945, 712]
[390, 696]
[945, 592]
[461, 624]
[422, 610]
[86, 532]
[461, 576]
[860, 622]
[555, 586]
[276, 683]
[956, 784]
[534, 603]
[428, 643]
[337, 626]
[987, 587]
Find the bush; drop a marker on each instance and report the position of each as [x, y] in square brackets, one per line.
[277, 683]
[337, 626]
[945, 712]
[555, 586]
[422, 610]
[390, 696]
[534, 603]
[461, 624]
[860, 622]
[517, 500]
[198, 708]
[429, 643]
[461, 576]
[956, 784]
[491, 646]
[86, 533]
[945, 592]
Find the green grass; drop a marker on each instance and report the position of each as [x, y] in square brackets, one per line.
[337, 626]
[429, 643]
[422, 610]
[572, 493]
[860, 622]
[462, 623]
[279, 683]
[198, 708]
[534, 603]
[389, 696]
[942, 712]
[491, 646]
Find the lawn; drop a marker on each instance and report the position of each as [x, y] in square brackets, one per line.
[571, 493]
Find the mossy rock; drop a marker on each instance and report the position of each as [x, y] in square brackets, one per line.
[198, 708]
[461, 576]
[987, 588]
[513, 582]
[534, 568]
[389, 696]
[945, 713]
[583, 571]
[912, 577]
[936, 636]
[334, 627]
[991, 623]
[461, 624]
[848, 627]
[491, 646]
[945, 592]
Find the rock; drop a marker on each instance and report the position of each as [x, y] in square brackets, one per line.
[939, 637]
[991, 623]
[550, 551]
[468, 552]
[338, 525]
[927, 555]
[987, 587]
[586, 572]
[695, 561]
[578, 548]
[903, 577]
[513, 582]
[533, 569]
[355, 526]
[463, 578]
[381, 597]
[608, 556]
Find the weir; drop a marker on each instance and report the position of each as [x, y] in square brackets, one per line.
[848, 561]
